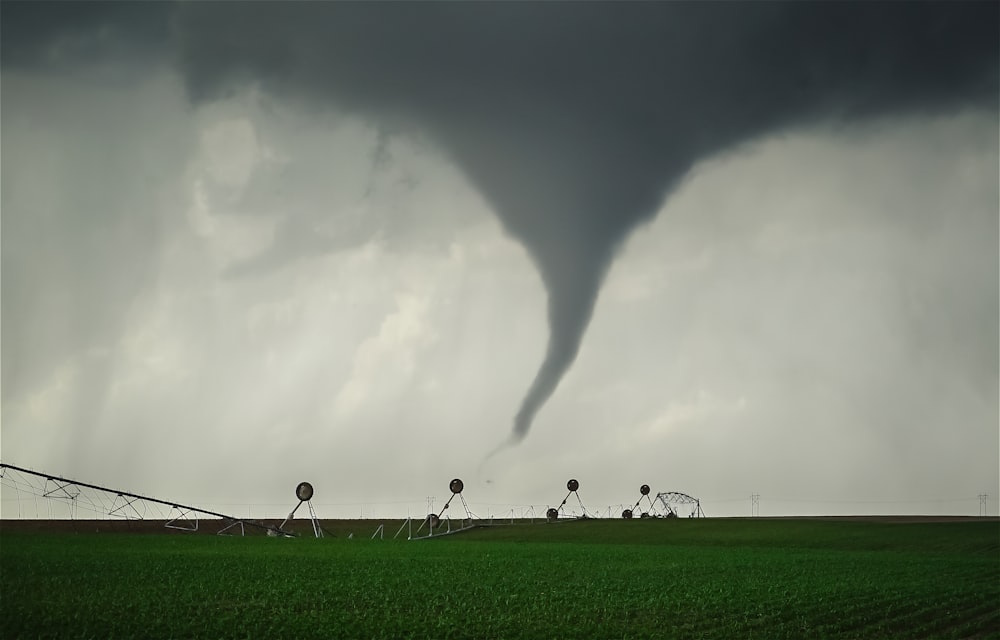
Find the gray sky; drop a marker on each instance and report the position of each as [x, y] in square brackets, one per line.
[723, 249]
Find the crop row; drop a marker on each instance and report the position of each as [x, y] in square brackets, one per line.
[198, 586]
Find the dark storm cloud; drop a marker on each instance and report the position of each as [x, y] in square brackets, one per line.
[576, 120]
[56, 36]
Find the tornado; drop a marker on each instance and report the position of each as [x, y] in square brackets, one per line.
[571, 300]
[574, 120]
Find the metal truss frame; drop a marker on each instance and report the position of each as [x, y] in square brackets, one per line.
[670, 498]
[114, 503]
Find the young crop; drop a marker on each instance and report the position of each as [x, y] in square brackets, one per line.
[596, 579]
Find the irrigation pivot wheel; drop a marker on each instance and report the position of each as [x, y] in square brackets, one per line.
[573, 485]
[456, 486]
[304, 491]
[552, 513]
[432, 520]
[627, 514]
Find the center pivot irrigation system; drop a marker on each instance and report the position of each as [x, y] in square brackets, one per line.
[434, 520]
[304, 492]
[573, 485]
[673, 500]
[105, 502]
[115, 503]
[643, 493]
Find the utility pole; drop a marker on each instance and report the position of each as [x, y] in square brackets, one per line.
[983, 504]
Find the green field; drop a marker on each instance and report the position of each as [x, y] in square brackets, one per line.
[590, 579]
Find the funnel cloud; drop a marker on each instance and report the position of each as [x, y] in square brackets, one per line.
[575, 121]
